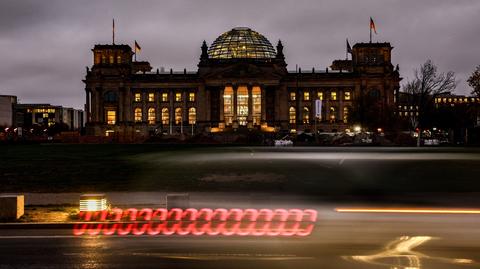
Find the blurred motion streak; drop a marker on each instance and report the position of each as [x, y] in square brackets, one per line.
[400, 251]
[205, 221]
[408, 210]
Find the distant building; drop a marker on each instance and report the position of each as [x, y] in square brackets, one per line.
[242, 82]
[7, 110]
[47, 115]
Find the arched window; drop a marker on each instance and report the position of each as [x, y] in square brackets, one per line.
[104, 59]
[178, 115]
[346, 114]
[138, 114]
[110, 97]
[165, 116]
[292, 115]
[333, 114]
[119, 59]
[152, 118]
[306, 115]
[192, 115]
[228, 105]
[111, 59]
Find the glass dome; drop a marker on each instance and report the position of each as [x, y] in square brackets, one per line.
[241, 43]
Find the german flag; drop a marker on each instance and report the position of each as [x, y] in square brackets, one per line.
[372, 26]
[137, 47]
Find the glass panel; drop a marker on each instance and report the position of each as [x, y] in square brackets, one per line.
[228, 105]
[242, 105]
[306, 96]
[292, 115]
[306, 115]
[151, 116]
[257, 105]
[192, 115]
[347, 95]
[111, 116]
[151, 97]
[138, 97]
[138, 114]
[178, 116]
[164, 97]
[165, 116]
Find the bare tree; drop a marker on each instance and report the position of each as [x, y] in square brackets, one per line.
[474, 82]
[422, 90]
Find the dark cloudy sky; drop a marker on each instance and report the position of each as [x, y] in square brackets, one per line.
[45, 45]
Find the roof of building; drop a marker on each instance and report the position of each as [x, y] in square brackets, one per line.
[375, 45]
[241, 43]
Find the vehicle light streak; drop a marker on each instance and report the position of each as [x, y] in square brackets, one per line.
[205, 221]
[408, 210]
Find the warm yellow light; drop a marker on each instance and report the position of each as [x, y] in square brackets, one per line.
[408, 210]
[93, 202]
[357, 128]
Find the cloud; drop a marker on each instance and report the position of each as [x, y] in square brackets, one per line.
[46, 44]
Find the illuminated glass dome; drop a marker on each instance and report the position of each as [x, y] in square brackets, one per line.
[241, 43]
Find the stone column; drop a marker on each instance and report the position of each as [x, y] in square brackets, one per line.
[171, 110]
[340, 105]
[235, 88]
[87, 104]
[120, 106]
[250, 104]
[222, 116]
[264, 105]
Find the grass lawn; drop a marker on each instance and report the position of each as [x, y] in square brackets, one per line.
[370, 172]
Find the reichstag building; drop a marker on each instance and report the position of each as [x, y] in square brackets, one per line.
[242, 82]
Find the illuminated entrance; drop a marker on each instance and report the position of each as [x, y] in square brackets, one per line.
[243, 105]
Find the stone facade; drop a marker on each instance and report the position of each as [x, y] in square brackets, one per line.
[244, 87]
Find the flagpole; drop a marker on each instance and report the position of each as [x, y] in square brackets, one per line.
[346, 51]
[370, 34]
[113, 31]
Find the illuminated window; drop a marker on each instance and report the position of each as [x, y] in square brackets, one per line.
[104, 59]
[257, 105]
[192, 115]
[165, 116]
[346, 113]
[178, 115]
[191, 97]
[164, 97]
[178, 97]
[151, 116]
[242, 105]
[346, 95]
[111, 116]
[228, 105]
[151, 97]
[293, 96]
[320, 95]
[292, 115]
[111, 59]
[306, 96]
[119, 59]
[138, 97]
[333, 114]
[138, 114]
[306, 115]
[333, 96]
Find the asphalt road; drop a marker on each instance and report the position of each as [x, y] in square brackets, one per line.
[339, 240]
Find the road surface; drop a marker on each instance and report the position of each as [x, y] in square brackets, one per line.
[339, 240]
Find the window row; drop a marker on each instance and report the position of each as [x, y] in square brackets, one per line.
[347, 95]
[165, 115]
[305, 116]
[164, 97]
